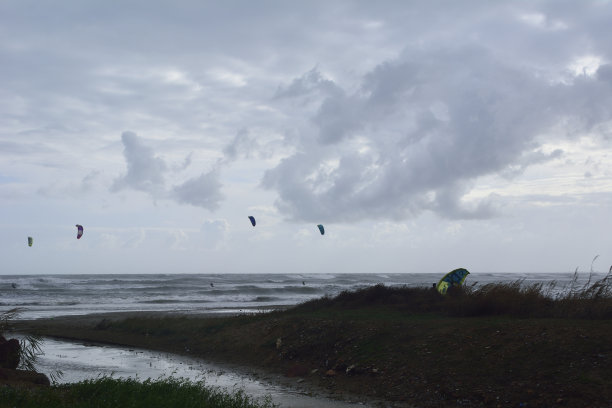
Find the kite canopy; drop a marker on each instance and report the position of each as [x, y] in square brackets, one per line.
[252, 220]
[30, 241]
[453, 278]
[321, 229]
[79, 231]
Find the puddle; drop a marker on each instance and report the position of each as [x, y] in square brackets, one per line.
[81, 361]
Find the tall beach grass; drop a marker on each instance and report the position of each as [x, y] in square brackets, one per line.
[590, 300]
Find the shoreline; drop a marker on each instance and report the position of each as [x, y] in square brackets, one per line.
[87, 361]
[114, 314]
[255, 373]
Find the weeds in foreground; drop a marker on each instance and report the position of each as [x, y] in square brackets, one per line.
[110, 392]
[30, 345]
[591, 300]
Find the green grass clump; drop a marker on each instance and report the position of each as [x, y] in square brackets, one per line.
[128, 393]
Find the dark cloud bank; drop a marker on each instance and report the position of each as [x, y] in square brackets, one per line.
[475, 94]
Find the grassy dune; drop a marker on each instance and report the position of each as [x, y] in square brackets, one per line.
[504, 345]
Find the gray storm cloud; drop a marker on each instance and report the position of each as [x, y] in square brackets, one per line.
[203, 191]
[376, 132]
[311, 83]
[146, 172]
[241, 145]
[421, 130]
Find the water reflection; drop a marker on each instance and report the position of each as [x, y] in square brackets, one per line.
[79, 361]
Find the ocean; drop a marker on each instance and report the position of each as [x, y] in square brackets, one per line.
[45, 296]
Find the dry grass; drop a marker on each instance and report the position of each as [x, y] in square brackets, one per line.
[592, 300]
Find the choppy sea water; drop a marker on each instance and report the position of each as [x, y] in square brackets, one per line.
[44, 296]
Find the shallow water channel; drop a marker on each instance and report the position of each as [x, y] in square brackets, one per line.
[80, 361]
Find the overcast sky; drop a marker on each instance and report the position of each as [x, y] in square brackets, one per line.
[425, 136]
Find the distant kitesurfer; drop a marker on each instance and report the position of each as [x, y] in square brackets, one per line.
[212, 285]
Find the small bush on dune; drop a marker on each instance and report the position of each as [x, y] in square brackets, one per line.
[414, 298]
[513, 298]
